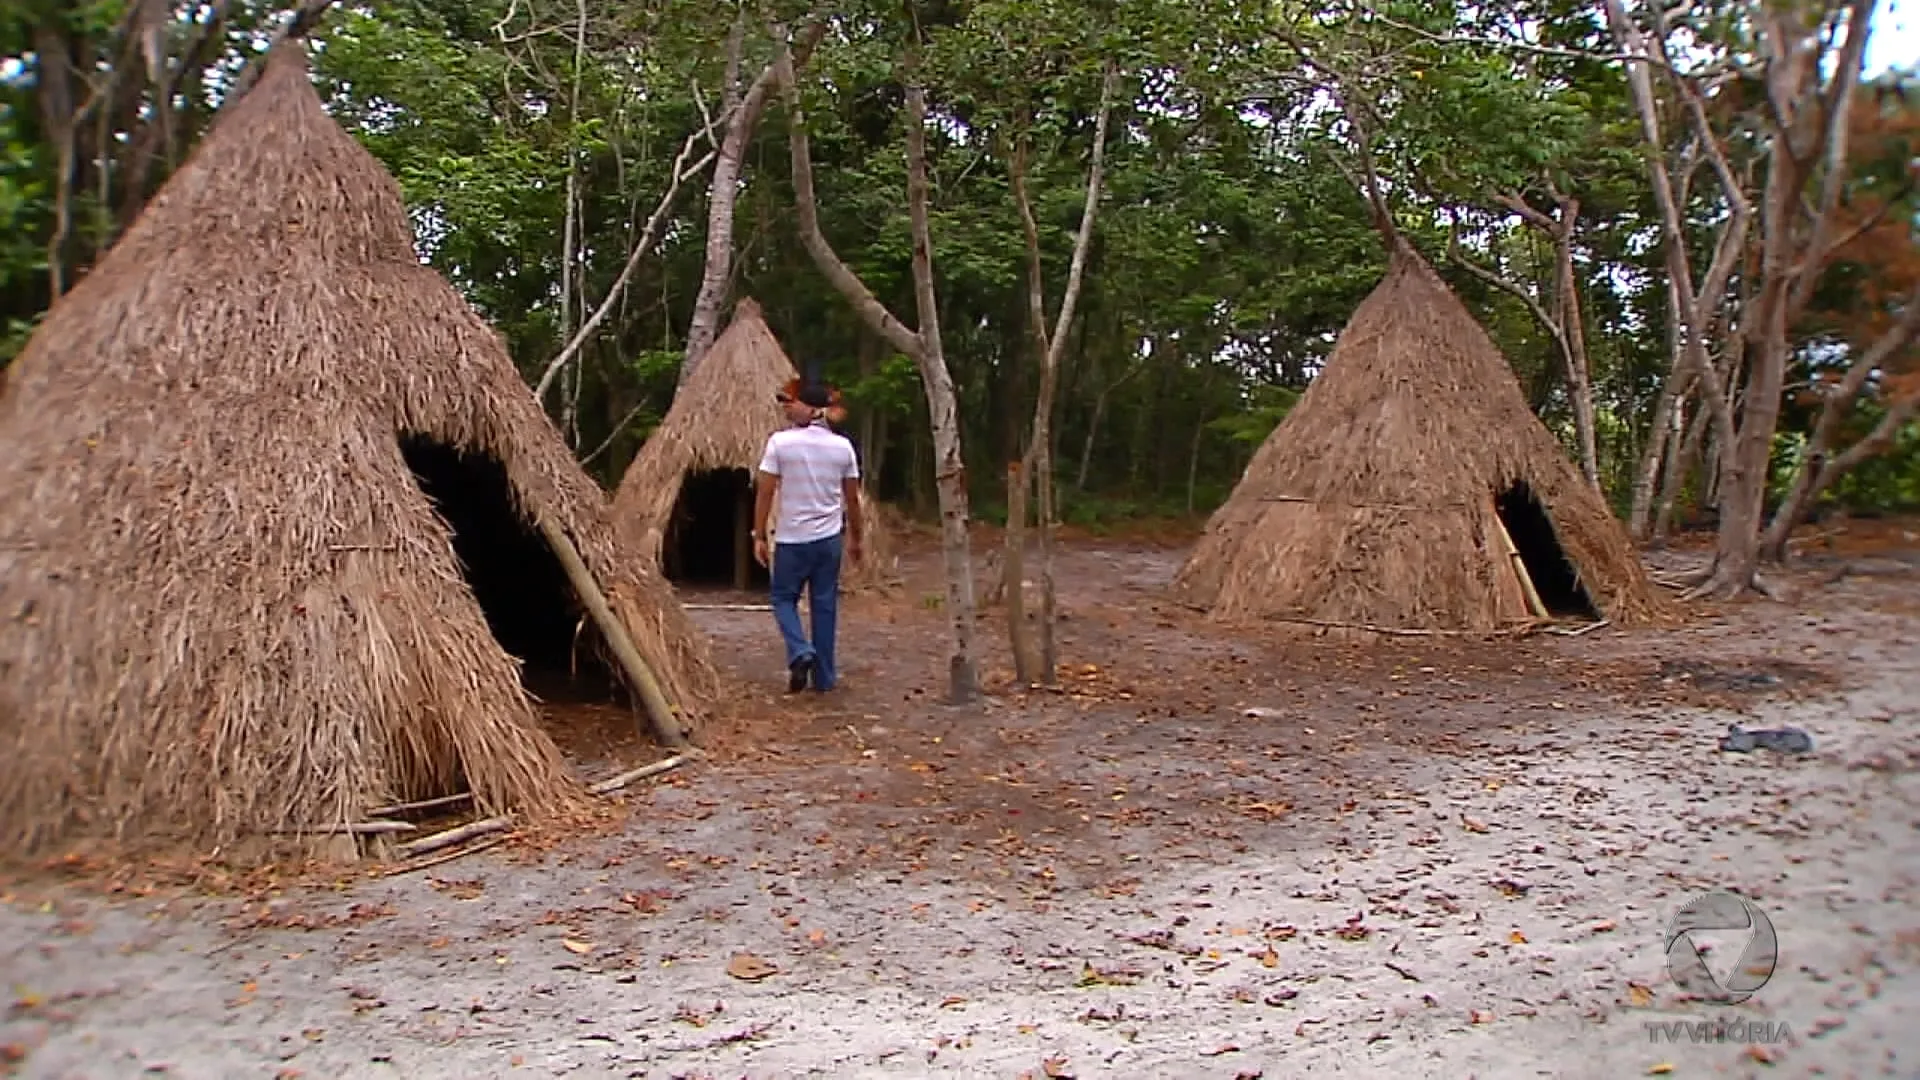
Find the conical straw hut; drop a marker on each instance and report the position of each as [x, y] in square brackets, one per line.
[1411, 488]
[686, 502]
[279, 522]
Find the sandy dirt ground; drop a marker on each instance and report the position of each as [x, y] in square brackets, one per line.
[1212, 854]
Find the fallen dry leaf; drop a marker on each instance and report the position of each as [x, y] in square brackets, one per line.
[1602, 927]
[1056, 1068]
[577, 947]
[1661, 1069]
[749, 967]
[1517, 938]
[1269, 958]
[1481, 1016]
[1639, 996]
[1761, 1054]
[1218, 1050]
[817, 937]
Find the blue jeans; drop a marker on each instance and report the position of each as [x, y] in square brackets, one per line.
[815, 566]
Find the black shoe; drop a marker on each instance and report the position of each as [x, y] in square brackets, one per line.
[799, 673]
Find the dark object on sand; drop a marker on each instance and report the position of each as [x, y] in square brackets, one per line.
[1785, 740]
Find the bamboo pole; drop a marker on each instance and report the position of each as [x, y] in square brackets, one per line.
[1534, 603]
[665, 725]
[742, 538]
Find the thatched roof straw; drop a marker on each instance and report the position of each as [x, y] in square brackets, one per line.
[226, 606]
[1372, 503]
[721, 419]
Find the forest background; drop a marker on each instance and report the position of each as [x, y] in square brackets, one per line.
[1690, 228]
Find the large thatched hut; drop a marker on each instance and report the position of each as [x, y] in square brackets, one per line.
[686, 502]
[272, 509]
[1412, 488]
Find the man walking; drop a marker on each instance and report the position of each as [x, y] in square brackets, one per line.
[817, 477]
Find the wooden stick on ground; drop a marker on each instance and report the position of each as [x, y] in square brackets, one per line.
[449, 837]
[444, 857]
[615, 783]
[665, 725]
[354, 828]
[423, 804]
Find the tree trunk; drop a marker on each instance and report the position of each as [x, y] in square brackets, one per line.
[1661, 447]
[744, 117]
[949, 469]
[1681, 464]
[1807, 124]
[1039, 454]
[950, 473]
[1014, 577]
[1820, 468]
[1690, 309]
[1193, 461]
[1579, 374]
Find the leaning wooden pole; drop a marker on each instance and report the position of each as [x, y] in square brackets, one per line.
[665, 725]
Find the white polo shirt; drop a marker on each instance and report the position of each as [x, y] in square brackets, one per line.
[811, 462]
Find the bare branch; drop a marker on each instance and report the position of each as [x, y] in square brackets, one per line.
[680, 173]
[1506, 285]
[1077, 268]
[830, 265]
[1504, 43]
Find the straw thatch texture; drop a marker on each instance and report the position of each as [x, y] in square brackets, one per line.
[226, 606]
[1373, 501]
[721, 419]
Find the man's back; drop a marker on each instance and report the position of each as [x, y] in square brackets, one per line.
[811, 463]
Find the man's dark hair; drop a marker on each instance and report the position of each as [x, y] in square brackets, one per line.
[814, 394]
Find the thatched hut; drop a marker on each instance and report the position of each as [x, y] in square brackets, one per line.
[277, 522]
[1412, 488]
[686, 502]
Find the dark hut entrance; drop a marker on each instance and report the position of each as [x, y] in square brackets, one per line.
[519, 583]
[1548, 567]
[707, 542]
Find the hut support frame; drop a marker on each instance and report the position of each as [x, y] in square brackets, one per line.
[665, 725]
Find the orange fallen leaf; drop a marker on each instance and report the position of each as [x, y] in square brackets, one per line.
[1761, 1054]
[1603, 926]
[749, 967]
[1269, 958]
[1517, 938]
[1056, 1068]
[1661, 1069]
[949, 1002]
[817, 937]
[1481, 1016]
[1639, 996]
[578, 948]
